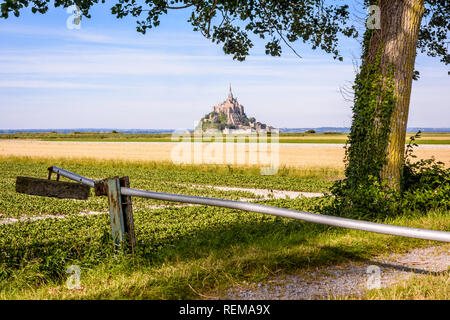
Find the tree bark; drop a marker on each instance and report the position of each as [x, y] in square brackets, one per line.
[396, 41]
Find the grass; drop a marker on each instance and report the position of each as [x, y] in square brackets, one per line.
[182, 252]
[420, 287]
[429, 287]
[337, 138]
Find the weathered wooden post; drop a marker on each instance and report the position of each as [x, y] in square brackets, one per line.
[51, 188]
[120, 211]
[128, 214]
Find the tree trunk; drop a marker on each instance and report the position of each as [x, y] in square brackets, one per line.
[396, 41]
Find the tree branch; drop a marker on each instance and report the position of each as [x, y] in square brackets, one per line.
[210, 17]
[277, 30]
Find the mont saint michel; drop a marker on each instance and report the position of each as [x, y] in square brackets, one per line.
[229, 116]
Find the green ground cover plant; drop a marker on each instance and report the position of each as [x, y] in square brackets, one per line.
[162, 177]
[182, 252]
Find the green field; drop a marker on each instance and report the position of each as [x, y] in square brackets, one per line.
[338, 138]
[182, 252]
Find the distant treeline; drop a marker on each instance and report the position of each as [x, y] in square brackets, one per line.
[168, 131]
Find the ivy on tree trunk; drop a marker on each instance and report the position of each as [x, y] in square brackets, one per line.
[382, 94]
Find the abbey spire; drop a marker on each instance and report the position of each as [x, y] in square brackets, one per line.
[230, 94]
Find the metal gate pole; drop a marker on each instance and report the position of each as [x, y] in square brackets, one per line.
[341, 222]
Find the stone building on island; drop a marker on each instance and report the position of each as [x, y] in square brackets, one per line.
[229, 116]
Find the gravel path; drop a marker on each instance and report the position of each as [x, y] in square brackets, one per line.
[352, 278]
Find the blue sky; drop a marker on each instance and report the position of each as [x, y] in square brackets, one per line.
[106, 75]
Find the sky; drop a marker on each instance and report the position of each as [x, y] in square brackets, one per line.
[107, 75]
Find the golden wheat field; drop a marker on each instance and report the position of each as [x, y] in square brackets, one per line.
[291, 155]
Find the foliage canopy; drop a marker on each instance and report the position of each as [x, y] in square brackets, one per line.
[318, 23]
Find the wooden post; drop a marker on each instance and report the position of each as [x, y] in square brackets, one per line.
[128, 215]
[51, 188]
[120, 211]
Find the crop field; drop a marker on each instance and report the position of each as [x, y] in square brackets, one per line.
[305, 156]
[183, 251]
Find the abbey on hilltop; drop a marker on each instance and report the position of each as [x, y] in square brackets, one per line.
[229, 116]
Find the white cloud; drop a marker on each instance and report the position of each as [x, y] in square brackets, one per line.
[141, 62]
[107, 37]
[93, 78]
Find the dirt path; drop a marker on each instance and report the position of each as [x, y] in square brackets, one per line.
[347, 279]
[263, 193]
